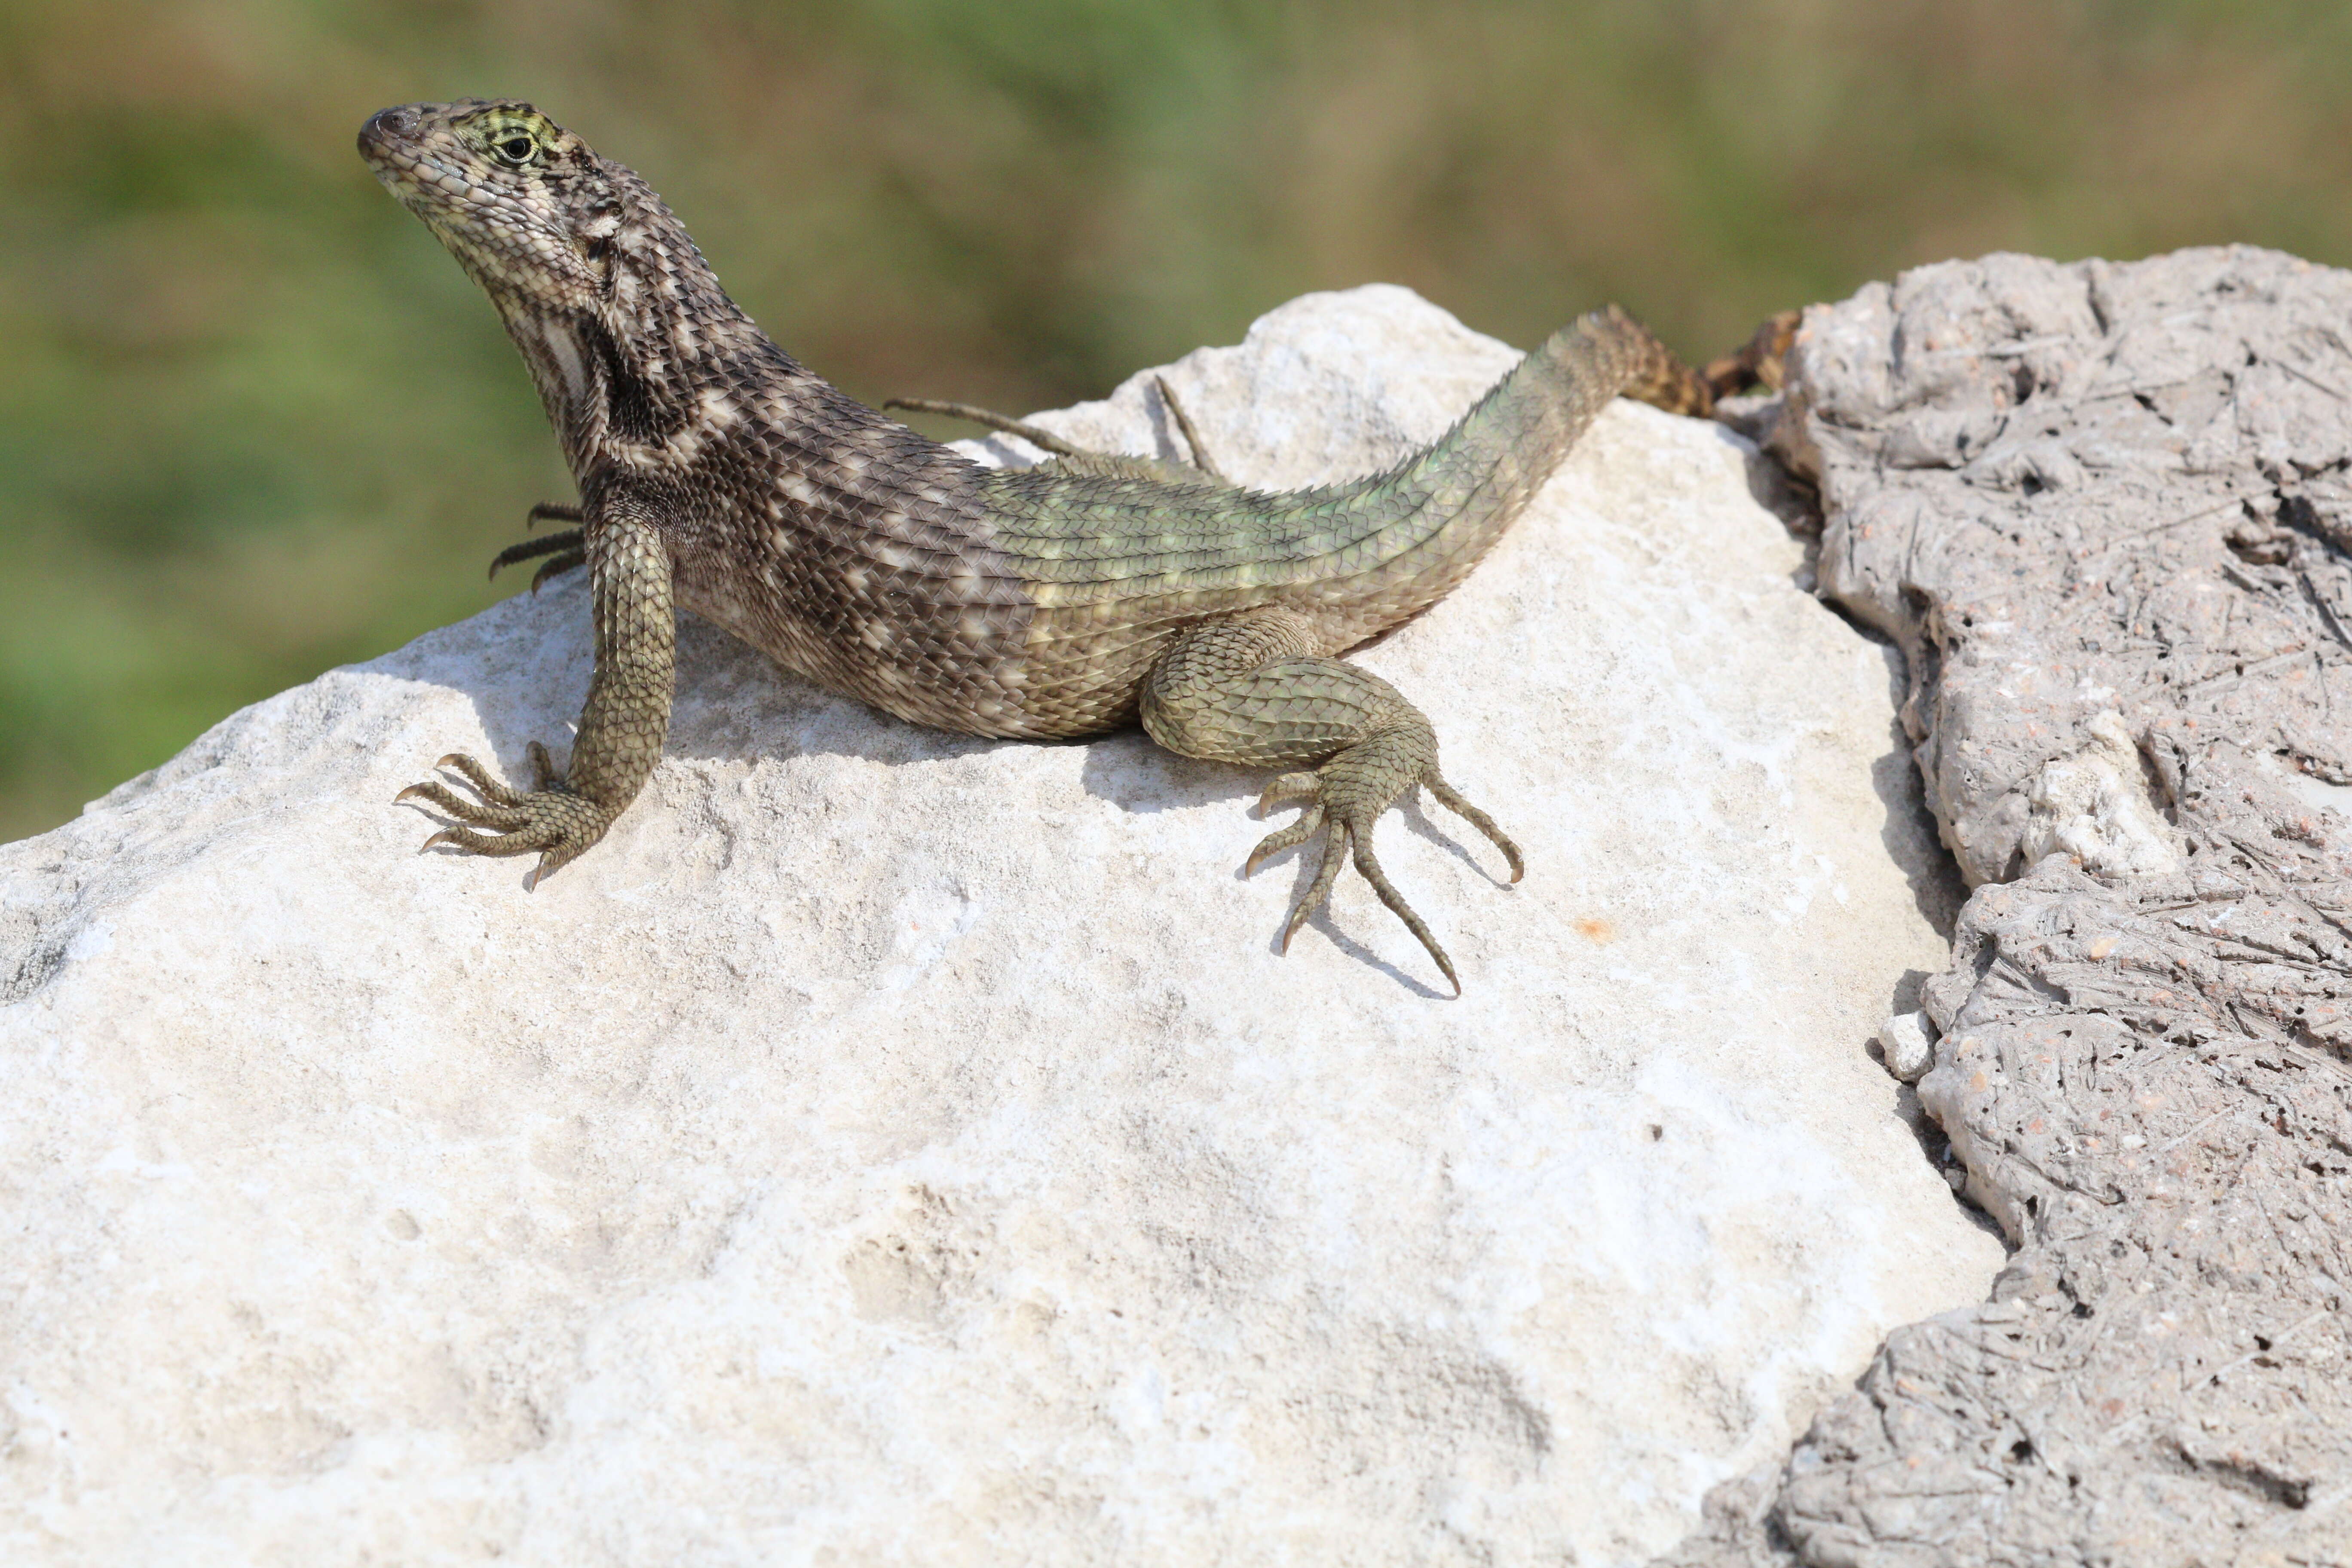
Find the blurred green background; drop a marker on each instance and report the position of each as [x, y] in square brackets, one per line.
[255, 423]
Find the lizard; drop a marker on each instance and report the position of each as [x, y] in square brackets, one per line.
[1065, 600]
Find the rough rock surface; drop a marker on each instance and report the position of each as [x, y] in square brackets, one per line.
[888, 1147]
[2106, 511]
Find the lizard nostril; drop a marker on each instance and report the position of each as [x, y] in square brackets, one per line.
[389, 125]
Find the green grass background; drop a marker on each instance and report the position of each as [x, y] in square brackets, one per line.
[254, 423]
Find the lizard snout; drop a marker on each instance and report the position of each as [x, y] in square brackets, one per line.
[387, 127]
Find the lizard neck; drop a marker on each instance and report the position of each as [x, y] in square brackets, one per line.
[638, 371]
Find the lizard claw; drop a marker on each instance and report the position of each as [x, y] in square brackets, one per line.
[567, 547]
[1345, 796]
[551, 819]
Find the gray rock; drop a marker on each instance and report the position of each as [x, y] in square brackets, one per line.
[891, 1147]
[2102, 507]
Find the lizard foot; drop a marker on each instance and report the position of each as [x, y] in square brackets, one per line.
[550, 818]
[1344, 798]
[567, 547]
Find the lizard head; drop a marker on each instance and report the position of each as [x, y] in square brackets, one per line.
[519, 200]
[611, 303]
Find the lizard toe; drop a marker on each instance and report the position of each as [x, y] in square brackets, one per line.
[1346, 797]
[1310, 823]
[552, 819]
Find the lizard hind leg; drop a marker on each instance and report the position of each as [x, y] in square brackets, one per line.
[1247, 691]
[1078, 459]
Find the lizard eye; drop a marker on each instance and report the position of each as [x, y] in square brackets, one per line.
[516, 147]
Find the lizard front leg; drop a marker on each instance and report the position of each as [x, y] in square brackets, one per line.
[1248, 690]
[621, 729]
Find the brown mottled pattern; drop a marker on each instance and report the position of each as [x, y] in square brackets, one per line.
[716, 473]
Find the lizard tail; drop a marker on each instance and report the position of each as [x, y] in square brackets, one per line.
[1405, 537]
[1517, 433]
[1653, 374]
[1656, 377]
[1381, 548]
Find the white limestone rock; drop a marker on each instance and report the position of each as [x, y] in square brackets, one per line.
[890, 1147]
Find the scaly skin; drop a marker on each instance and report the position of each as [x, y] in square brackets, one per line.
[1068, 599]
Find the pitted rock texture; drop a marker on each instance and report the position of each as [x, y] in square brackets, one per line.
[2104, 509]
[891, 1147]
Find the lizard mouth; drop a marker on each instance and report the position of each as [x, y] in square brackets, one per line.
[391, 141]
